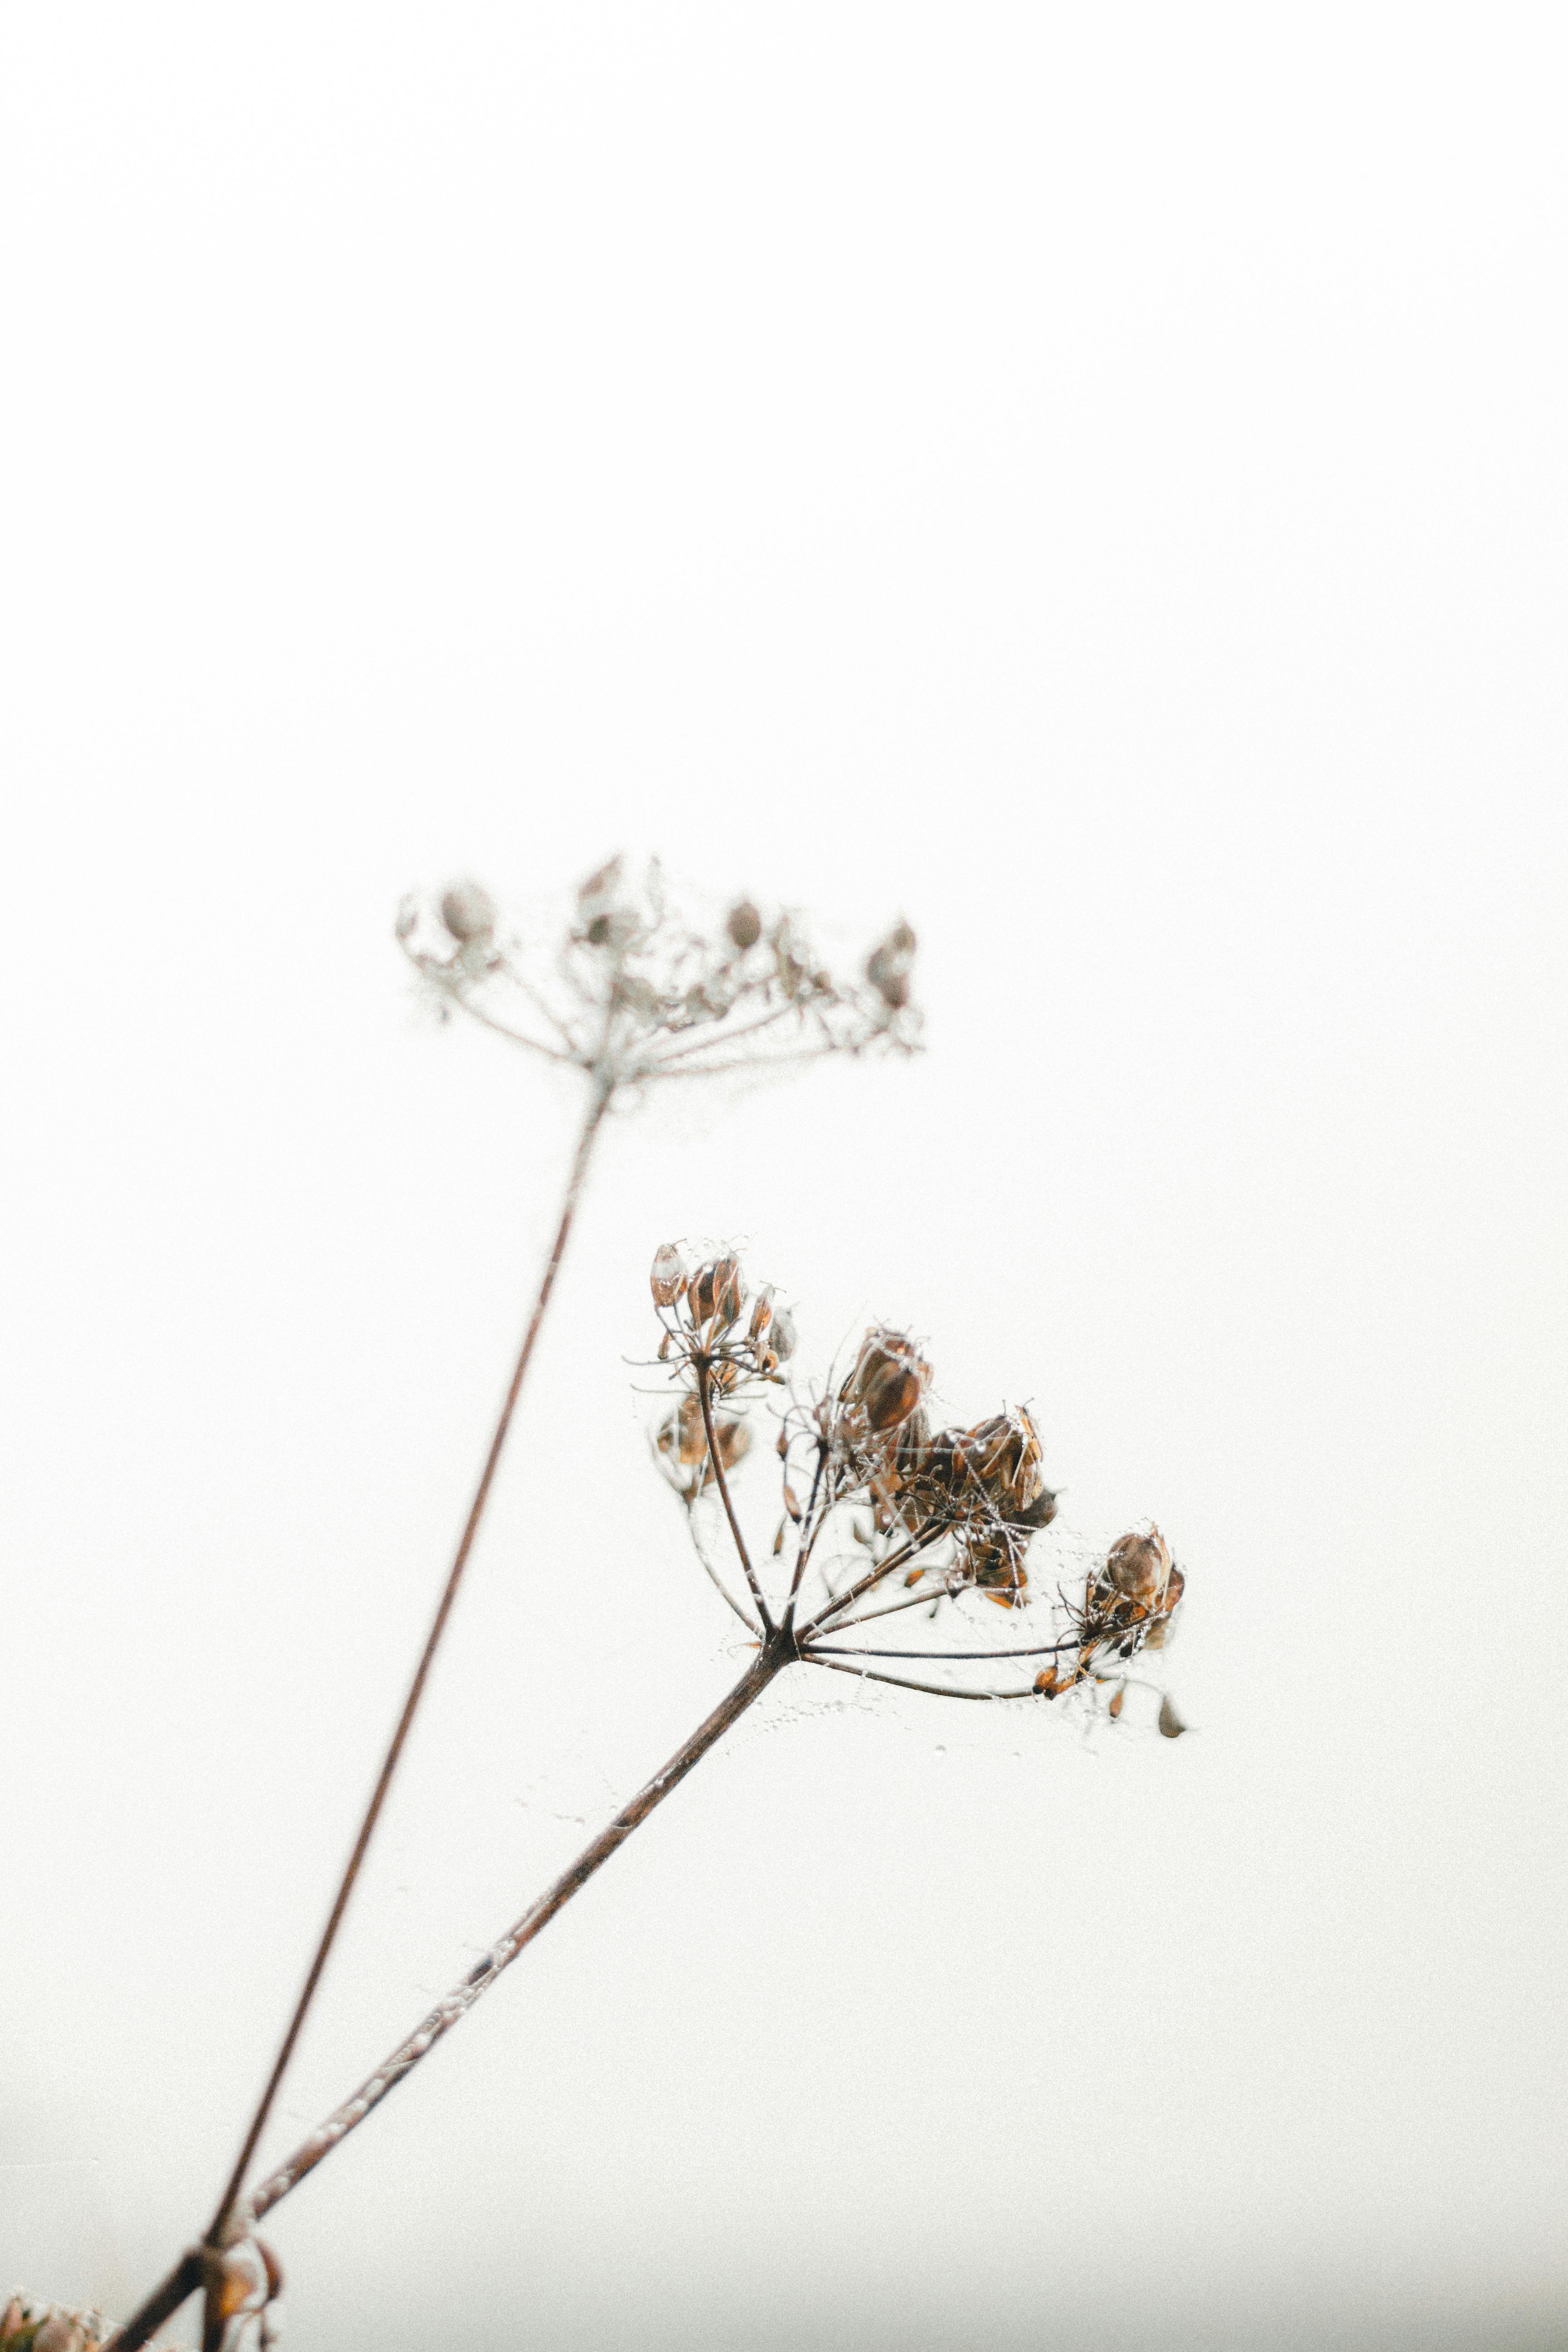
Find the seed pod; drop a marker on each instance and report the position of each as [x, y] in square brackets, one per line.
[1046, 1683]
[668, 1278]
[700, 1294]
[889, 1379]
[1175, 1585]
[744, 924]
[887, 967]
[469, 913]
[762, 1314]
[728, 1290]
[889, 1394]
[1138, 1566]
[781, 1337]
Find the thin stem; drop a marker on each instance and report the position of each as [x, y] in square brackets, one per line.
[911, 1600]
[715, 1033]
[901, 1681]
[488, 1021]
[705, 1402]
[1041, 1650]
[401, 2062]
[160, 2305]
[807, 1536]
[874, 1576]
[590, 1128]
[715, 1579]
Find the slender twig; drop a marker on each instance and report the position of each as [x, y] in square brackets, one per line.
[928, 1534]
[705, 1400]
[715, 1033]
[400, 2063]
[911, 1600]
[590, 1127]
[718, 1582]
[517, 1036]
[900, 1682]
[1041, 1650]
[162, 2304]
[808, 1534]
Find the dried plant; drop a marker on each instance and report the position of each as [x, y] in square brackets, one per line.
[633, 990]
[881, 1515]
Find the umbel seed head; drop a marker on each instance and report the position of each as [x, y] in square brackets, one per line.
[469, 913]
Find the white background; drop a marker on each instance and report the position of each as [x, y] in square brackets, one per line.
[1091, 480]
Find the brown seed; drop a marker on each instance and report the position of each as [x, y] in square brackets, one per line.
[744, 924]
[762, 1314]
[728, 1290]
[668, 1278]
[1171, 1724]
[1139, 1565]
[890, 1395]
[1115, 1707]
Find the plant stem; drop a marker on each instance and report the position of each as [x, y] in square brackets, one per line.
[589, 1131]
[716, 1465]
[401, 2062]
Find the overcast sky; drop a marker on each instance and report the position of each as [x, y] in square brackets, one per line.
[1091, 481]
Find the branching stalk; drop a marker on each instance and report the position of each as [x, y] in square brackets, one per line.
[401, 2062]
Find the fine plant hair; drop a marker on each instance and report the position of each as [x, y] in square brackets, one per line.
[633, 990]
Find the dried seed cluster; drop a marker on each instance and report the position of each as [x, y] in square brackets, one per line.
[884, 1513]
[634, 988]
[714, 1332]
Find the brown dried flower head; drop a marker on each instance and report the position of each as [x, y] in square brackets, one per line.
[879, 1516]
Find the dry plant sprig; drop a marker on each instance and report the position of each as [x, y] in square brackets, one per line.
[633, 990]
[638, 989]
[949, 1515]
